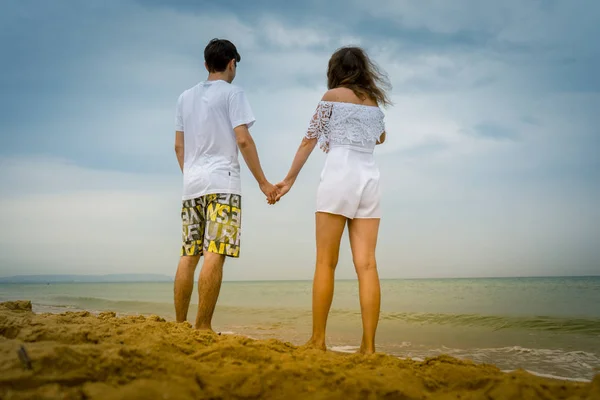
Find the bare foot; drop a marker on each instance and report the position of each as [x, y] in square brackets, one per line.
[207, 329]
[366, 351]
[317, 345]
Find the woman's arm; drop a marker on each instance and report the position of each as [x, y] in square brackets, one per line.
[381, 138]
[316, 129]
[306, 147]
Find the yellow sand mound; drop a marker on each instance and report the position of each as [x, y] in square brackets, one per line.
[82, 356]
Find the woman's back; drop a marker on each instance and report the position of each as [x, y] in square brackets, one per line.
[344, 119]
[345, 95]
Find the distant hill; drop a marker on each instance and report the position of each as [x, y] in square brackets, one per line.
[111, 278]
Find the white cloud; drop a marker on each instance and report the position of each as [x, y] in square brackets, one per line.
[449, 17]
[279, 34]
[57, 217]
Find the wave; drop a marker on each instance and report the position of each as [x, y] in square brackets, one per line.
[550, 376]
[95, 304]
[345, 349]
[560, 364]
[589, 326]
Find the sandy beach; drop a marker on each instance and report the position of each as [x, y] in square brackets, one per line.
[84, 356]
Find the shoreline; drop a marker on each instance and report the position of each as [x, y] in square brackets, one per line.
[81, 355]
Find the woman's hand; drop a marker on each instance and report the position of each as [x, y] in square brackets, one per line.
[283, 187]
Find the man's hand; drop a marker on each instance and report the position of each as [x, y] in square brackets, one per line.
[283, 187]
[270, 191]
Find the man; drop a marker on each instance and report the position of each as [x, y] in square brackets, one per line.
[212, 122]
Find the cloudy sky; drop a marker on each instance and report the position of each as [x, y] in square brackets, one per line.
[491, 167]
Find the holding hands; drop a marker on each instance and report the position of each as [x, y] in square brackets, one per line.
[306, 147]
[271, 191]
[275, 192]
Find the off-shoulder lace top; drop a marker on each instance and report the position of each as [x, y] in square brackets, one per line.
[346, 124]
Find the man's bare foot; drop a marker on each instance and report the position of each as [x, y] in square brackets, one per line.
[314, 344]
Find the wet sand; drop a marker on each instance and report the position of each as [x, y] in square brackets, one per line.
[84, 356]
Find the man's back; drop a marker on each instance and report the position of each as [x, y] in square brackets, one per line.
[207, 114]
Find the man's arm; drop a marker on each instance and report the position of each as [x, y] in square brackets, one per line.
[179, 148]
[248, 149]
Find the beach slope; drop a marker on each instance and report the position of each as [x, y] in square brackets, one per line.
[83, 356]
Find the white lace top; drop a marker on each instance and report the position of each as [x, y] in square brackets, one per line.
[346, 124]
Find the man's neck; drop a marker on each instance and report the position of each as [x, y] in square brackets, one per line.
[218, 76]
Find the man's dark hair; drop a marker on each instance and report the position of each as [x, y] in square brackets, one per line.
[218, 53]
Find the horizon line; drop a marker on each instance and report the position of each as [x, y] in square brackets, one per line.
[170, 278]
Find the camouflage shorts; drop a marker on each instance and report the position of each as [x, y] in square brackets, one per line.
[212, 223]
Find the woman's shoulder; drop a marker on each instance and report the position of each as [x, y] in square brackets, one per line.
[340, 95]
[333, 95]
[346, 95]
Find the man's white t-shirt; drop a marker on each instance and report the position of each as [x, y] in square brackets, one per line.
[207, 115]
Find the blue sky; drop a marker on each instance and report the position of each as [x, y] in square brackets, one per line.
[491, 167]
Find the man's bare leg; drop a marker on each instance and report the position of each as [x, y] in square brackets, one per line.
[184, 285]
[209, 286]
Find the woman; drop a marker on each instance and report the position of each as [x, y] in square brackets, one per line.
[347, 124]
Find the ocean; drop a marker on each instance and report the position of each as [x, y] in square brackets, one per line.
[548, 326]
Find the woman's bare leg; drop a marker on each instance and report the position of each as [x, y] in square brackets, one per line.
[329, 229]
[363, 240]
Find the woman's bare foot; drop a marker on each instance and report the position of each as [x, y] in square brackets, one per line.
[315, 344]
[366, 350]
[207, 329]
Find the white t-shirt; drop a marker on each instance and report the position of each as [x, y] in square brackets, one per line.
[207, 114]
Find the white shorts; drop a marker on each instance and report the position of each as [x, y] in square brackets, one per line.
[349, 184]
